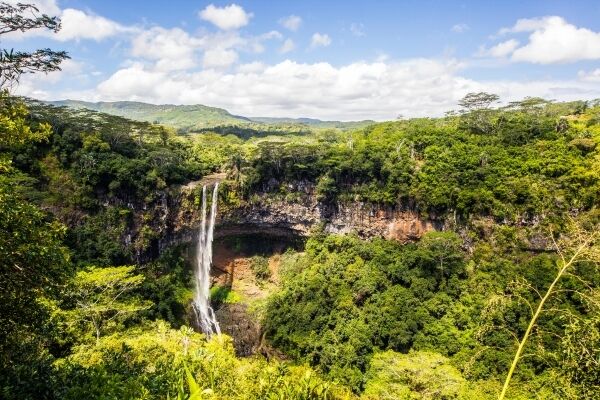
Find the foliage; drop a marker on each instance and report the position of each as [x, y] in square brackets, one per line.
[97, 238]
[34, 263]
[418, 375]
[15, 128]
[354, 297]
[33, 260]
[21, 18]
[435, 318]
[260, 267]
[151, 364]
[167, 286]
[112, 157]
[531, 161]
[95, 172]
[100, 296]
[580, 363]
[580, 245]
[477, 115]
[220, 294]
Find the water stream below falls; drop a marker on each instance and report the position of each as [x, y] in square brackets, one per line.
[204, 312]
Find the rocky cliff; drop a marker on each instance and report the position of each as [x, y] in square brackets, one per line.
[175, 217]
[298, 215]
[300, 218]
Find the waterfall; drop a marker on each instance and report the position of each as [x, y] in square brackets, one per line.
[204, 312]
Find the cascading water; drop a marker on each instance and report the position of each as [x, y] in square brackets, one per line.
[204, 312]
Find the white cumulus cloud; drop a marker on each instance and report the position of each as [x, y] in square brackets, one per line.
[291, 22]
[226, 18]
[320, 40]
[553, 40]
[134, 79]
[219, 58]
[173, 49]
[75, 24]
[501, 49]
[360, 90]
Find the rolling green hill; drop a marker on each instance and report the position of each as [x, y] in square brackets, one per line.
[314, 123]
[183, 117]
[191, 118]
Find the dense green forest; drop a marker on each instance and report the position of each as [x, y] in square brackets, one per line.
[374, 318]
[502, 300]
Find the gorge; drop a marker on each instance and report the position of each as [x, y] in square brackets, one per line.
[449, 251]
[319, 261]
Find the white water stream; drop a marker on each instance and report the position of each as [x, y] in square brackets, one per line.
[204, 312]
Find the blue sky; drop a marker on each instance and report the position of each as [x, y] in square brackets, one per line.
[326, 59]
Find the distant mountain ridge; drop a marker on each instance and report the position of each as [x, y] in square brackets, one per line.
[317, 123]
[177, 116]
[196, 117]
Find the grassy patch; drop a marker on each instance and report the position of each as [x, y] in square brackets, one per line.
[224, 295]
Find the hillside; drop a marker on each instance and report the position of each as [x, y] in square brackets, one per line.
[193, 118]
[178, 116]
[314, 123]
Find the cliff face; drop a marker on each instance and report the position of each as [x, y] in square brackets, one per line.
[175, 217]
[300, 218]
[297, 214]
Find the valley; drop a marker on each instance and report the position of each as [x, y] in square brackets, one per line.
[417, 217]
[419, 241]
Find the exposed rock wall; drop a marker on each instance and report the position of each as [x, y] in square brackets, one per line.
[302, 217]
[297, 214]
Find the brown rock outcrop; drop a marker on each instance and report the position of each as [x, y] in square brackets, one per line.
[365, 220]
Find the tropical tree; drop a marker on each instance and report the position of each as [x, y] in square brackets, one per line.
[416, 375]
[21, 18]
[477, 112]
[34, 263]
[102, 296]
[442, 252]
[15, 129]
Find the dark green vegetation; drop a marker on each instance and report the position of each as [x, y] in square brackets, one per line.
[533, 163]
[346, 299]
[90, 305]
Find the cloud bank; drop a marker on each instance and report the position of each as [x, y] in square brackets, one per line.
[175, 65]
[360, 90]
